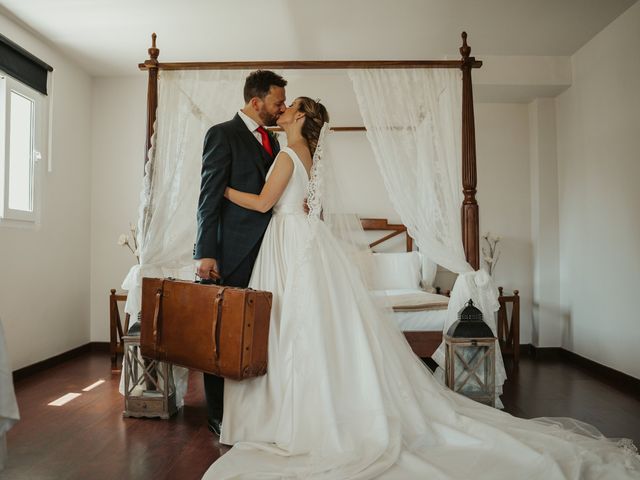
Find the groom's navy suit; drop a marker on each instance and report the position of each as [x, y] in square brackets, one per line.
[232, 157]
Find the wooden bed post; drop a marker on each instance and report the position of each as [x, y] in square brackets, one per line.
[470, 214]
[152, 92]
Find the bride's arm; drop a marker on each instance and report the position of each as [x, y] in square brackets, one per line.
[272, 190]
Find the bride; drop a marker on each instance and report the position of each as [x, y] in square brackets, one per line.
[344, 396]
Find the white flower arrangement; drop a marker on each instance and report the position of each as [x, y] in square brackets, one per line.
[130, 240]
[491, 253]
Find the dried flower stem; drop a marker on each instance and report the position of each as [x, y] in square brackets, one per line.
[130, 240]
[491, 253]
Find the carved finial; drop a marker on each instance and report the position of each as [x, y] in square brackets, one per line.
[500, 290]
[113, 291]
[153, 51]
[465, 50]
[516, 292]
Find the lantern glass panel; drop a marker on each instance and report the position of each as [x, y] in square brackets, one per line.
[471, 372]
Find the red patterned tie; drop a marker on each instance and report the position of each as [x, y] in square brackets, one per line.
[266, 142]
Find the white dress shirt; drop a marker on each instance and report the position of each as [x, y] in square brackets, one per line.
[251, 125]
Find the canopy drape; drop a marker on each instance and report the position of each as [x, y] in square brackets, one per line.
[189, 103]
[413, 119]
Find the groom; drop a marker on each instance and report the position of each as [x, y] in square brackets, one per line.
[236, 154]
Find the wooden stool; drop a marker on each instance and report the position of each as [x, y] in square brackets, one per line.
[116, 344]
[149, 388]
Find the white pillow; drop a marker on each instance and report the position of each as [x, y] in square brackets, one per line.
[393, 271]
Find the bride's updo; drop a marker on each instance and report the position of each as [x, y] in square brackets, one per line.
[316, 115]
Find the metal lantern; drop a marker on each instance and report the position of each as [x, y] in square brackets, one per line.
[470, 356]
[149, 388]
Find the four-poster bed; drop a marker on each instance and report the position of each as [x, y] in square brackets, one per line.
[423, 343]
[425, 340]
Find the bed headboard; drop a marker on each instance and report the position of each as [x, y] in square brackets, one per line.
[382, 224]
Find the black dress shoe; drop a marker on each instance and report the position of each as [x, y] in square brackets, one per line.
[215, 426]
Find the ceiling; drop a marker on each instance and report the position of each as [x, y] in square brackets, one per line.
[110, 37]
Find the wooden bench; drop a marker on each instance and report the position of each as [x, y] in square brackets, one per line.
[116, 332]
[509, 325]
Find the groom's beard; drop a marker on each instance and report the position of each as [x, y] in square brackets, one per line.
[268, 119]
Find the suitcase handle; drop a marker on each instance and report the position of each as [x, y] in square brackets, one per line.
[156, 316]
[216, 321]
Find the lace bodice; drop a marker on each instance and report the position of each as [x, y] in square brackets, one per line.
[294, 195]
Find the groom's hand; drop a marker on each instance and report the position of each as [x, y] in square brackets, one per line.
[207, 268]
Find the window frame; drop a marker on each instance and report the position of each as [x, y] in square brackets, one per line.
[9, 216]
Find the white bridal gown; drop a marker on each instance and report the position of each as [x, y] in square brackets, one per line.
[346, 398]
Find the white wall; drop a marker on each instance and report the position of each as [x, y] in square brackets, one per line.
[44, 293]
[548, 316]
[599, 198]
[502, 149]
[118, 123]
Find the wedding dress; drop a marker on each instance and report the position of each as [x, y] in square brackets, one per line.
[346, 398]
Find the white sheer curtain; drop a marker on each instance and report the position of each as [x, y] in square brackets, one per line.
[414, 124]
[189, 103]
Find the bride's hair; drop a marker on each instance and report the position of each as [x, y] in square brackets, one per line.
[316, 115]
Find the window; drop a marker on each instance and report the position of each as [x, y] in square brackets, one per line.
[22, 138]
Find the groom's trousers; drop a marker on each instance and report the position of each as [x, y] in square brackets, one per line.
[214, 385]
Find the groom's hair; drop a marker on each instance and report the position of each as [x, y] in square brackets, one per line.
[259, 83]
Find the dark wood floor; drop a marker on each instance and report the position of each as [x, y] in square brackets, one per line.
[88, 439]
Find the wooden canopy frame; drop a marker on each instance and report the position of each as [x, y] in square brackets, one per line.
[469, 209]
[382, 224]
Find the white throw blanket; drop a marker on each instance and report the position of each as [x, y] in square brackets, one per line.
[8, 406]
[412, 300]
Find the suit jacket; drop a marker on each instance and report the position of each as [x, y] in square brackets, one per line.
[232, 157]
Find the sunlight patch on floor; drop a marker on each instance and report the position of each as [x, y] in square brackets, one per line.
[64, 399]
[93, 385]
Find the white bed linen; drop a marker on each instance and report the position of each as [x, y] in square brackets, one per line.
[419, 320]
[8, 405]
[396, 270]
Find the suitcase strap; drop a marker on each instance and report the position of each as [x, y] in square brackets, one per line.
[217, 321]
[156, 316]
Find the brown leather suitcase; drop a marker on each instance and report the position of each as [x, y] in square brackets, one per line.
[211, 328]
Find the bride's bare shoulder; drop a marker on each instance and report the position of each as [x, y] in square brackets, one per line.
[303, 153]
